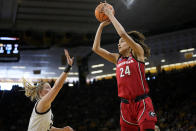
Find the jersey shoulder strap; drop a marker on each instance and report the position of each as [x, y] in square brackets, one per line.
[136, 58]
[119, 57]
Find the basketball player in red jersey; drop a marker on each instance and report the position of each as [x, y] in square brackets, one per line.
[136, 106]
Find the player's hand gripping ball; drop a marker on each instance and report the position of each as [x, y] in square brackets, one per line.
[99, 13]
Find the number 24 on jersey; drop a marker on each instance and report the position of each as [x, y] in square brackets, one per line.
[125, 71]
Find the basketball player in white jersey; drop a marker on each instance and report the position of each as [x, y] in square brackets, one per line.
[41, 117]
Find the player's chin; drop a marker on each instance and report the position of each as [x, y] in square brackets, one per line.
[120, 51]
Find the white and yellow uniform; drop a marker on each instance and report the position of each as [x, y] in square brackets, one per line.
[40, 121]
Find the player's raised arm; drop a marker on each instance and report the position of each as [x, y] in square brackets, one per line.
[111, 57]
[45, 103]
[122, 33]
[67, 128]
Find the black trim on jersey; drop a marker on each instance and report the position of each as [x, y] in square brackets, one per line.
[136, 58]
[119, 57]
[128, 57]
[40, 113]
[124, 57]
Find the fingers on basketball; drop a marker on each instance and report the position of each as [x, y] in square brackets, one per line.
[99, 13]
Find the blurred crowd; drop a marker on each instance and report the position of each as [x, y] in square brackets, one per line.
[95, 107]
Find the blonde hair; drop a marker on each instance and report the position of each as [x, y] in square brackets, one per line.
[32, 91]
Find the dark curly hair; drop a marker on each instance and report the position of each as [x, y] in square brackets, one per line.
[139, 38]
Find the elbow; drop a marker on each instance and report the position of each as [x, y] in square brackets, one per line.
[94, 49]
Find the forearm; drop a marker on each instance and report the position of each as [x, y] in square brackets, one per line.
[67, 128]
[119, 28]
[97, 40]
[58, 85]
[50, 96]
[60, 81]
[56, 129]
[122, 33]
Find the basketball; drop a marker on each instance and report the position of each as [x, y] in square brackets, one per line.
[99, 14]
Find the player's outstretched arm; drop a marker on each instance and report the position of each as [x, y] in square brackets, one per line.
[45, 103]
[111, 57]
[67, 128]
[122, 33]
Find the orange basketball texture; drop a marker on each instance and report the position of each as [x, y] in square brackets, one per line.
[99, 14]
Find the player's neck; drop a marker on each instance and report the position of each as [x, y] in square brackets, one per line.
[126, 54]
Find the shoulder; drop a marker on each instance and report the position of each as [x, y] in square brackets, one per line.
[40, 109]
[137, 57]
[117, 57]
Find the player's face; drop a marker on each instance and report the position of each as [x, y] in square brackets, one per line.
[45, 90]
[122, 46]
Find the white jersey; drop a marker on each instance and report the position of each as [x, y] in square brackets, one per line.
[40, 121]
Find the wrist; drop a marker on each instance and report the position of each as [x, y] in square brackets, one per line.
[101, 26]
[110, 15]
[67, 68]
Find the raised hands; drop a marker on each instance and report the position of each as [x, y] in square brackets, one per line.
[69, 60]
[108, 9]
[105, 23]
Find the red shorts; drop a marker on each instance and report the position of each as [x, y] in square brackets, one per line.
[140, 114]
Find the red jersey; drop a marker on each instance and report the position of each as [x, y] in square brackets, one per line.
[130, 75]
